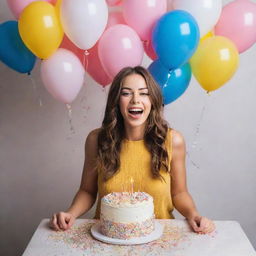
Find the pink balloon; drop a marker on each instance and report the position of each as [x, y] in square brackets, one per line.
[148, 47]
[142, 15]
[238, 23]
[17, 6]
[113, 2]
[119, 47]
[63, 75]
[94, 63]
[67, 44]
[91, 62]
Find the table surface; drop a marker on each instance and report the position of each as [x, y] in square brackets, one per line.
[177, 240]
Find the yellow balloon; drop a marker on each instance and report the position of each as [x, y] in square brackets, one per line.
[209, 34]
[214, 62]
[57, 8]
[40, 29]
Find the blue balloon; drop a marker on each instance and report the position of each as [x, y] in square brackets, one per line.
[175, 38]
[172, 83]
[13, 52]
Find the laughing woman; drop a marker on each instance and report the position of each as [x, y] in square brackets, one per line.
[135, 141]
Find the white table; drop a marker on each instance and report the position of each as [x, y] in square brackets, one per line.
[177, 240]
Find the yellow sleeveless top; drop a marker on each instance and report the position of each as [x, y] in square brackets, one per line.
[135, 175]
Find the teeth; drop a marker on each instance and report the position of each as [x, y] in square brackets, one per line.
[135, 109]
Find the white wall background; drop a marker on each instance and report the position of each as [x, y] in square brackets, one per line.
[41, 159]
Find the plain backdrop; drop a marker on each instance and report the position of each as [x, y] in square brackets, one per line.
[41, 156]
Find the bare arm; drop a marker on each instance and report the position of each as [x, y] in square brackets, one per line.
[87, 193]
[182, 200]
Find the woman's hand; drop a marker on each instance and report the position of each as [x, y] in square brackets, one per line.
[201, 225]
[61, 221]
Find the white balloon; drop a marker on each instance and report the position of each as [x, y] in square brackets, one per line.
[205, 12]
[84, 21]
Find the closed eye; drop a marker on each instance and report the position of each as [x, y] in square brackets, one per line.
[126, 93]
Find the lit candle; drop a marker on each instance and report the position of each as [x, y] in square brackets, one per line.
[132, 184]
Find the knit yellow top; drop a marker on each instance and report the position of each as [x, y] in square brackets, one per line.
[135, 175]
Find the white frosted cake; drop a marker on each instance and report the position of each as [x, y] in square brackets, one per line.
[127, 215]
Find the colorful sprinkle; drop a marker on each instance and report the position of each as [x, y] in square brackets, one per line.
[124, 198]
[79, 238]
[126, 231]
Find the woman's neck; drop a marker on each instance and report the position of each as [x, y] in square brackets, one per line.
[134, 133]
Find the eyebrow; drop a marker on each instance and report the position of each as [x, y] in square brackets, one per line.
[127, 88]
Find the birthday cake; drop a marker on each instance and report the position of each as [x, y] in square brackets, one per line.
[127, 215]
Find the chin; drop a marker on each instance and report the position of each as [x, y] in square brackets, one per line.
[135, 124]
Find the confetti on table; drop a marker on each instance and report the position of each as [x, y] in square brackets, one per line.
[79, 237]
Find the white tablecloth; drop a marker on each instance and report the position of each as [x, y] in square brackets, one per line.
[177, 240]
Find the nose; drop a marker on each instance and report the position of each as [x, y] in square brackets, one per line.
[135, 98]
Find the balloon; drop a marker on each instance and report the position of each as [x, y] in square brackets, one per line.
[84, 21]
[13, 52]
[57, 8]
[205, 12]
[214, 62]
[175, 38]
[142, 15]
[238, 23]
[40, 29]
[119, 47]
[113, 2]
[91, 62]
[148, 47]
[94, 63]
[17, 6]
[173, 83]
[63, 75]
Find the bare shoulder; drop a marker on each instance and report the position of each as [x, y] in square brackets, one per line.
[92, 139]
[178, 141]
[93, 135]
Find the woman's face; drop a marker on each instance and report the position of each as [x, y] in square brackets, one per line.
[134, 101]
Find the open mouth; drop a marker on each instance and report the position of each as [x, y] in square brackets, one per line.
[135, 112]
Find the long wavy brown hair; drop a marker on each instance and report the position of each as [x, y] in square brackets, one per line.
[111, 133]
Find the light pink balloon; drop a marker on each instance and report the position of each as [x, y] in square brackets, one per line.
[142, 15]
[113, 2]
[148, 47]
[238, 23]
[17, 6]
[63, 75]
[119, 47]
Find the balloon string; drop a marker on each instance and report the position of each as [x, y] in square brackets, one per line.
[68, 106]
[197, 131]
[192, 162]
[104, 90]
[85, 59]
[35, 89]
[85, 62]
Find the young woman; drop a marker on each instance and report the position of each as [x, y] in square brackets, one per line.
[135, 145]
